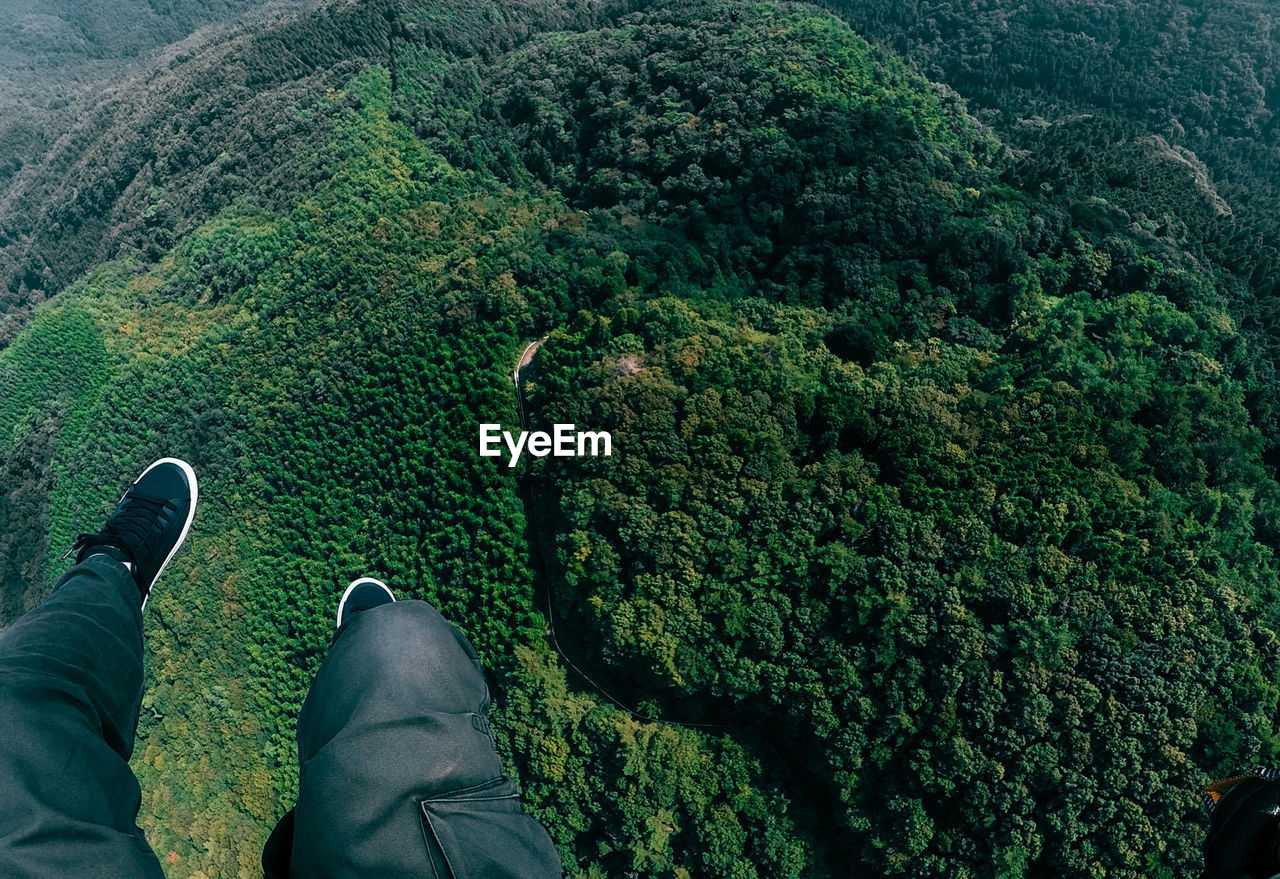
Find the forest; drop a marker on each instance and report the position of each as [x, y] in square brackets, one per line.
[937, 343]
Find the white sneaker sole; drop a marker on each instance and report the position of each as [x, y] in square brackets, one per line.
[342, 604]
[186, 526]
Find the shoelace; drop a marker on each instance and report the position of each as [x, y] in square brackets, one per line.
[133, 527]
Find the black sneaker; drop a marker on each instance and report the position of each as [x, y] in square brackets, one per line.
[148, 524]
[361, 595]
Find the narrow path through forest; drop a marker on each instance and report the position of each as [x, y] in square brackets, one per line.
[525, 359]
[543, 549]
[789, 775]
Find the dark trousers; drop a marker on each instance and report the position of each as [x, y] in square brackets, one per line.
[398, 774]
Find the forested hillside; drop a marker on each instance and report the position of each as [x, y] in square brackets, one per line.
[1109, 90]
[62, 61]
[937, 537]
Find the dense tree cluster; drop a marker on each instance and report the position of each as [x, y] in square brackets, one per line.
[1113, 91]
[1033, 406]
[769, 170]
[962, 582]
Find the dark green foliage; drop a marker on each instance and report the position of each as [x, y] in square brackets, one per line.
[728, 133]
[971, 598]
[1165, 110]
[1181, 66]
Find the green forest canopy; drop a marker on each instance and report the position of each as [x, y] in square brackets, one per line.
[942, 493]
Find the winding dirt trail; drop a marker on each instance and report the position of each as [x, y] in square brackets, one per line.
[525, 359]
[528, 491]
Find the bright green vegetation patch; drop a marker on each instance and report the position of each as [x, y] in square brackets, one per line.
[325, 371]
[50, 379]
[817, 54]
[61, 363]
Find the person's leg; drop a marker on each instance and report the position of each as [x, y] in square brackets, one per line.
[399, 776]
[70, 690]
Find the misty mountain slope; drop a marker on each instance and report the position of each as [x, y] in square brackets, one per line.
[160, 148]
[56, 57]
[41, 32]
